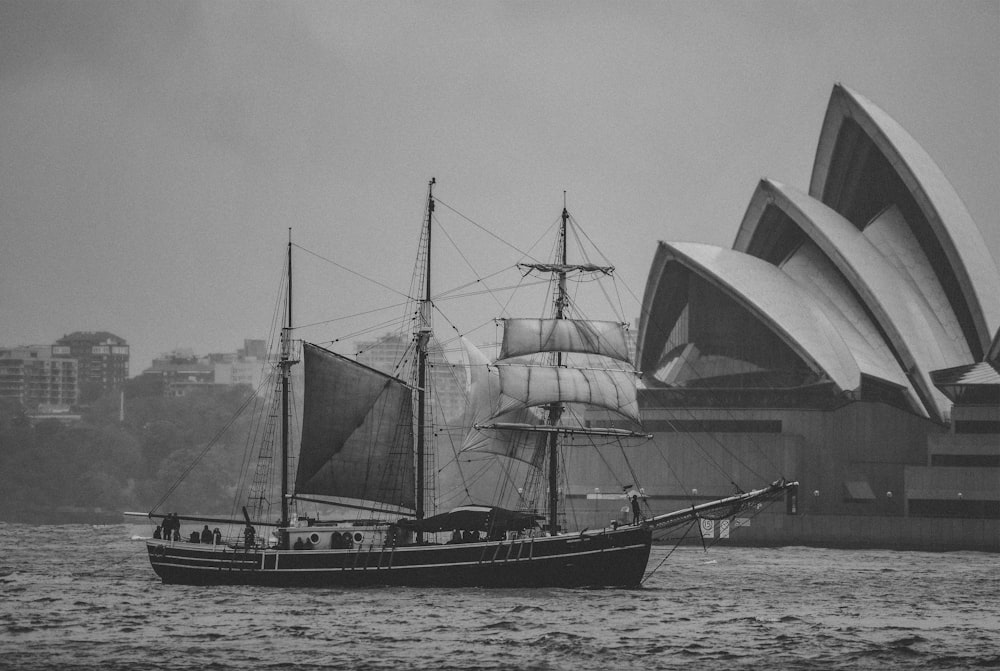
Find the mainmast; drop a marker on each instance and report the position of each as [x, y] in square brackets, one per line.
[423, 337]
[556, 409]
[285, 365]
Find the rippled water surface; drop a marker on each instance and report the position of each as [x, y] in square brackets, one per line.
[85, 597]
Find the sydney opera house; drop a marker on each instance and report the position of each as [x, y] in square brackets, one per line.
[849, 339]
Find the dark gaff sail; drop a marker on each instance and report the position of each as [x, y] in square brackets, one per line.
[357, 432]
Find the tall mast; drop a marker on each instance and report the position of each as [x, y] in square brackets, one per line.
[423, 336]
[285, 364]
[555, 409]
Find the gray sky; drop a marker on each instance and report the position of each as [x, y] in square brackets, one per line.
[153, 154]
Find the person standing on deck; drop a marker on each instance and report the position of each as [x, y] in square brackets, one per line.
[249, 535]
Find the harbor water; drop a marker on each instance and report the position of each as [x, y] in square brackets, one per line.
[84, 597]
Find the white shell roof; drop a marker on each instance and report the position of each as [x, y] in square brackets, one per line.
[911, 326]
[776, 300]
[956, 233]
[906, 324]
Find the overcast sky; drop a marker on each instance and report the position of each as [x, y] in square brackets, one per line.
[154, 154]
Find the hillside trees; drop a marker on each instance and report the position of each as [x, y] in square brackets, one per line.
[101, 462]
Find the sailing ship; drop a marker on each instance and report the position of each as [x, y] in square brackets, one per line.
[364, 444]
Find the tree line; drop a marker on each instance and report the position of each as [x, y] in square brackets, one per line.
[92, 469]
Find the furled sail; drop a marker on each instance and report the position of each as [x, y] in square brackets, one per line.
[529, 336]
[566, 268]
[357, 432]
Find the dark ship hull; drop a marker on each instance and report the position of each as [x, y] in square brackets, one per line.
[605, 558]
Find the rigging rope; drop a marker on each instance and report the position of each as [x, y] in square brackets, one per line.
[486, 230]
[353, 272]
[672, 550]
[204, 451]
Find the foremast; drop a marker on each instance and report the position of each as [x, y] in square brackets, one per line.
[555, 410]
[505, 394]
